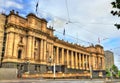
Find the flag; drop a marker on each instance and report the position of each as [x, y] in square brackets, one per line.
[36, 6]
[98, 40]
[64, 31]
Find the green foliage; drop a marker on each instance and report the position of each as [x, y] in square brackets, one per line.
[118, 26]
[115, 69]
[116, 5]
[119, 73]
[107, 73]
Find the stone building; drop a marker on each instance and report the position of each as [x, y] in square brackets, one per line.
[31, 47]
[2, 24]
[109, 59]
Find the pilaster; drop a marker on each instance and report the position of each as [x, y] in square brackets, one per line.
[83, 57]
[41, 51]
[9, 45]
[29, 47]
[76, 60]
[33, 47]
[68, 59]
[79, 61]
[72, 61]
[57, 54]
[45, 52]
[62, 56]
[15, 46]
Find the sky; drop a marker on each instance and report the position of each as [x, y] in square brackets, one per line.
[85, 22]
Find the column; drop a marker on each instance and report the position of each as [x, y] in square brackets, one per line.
[89, 61]
[51, 52]
[99, 63]
[15, 54]
[76, 60]
[103, 62]
[83, 61]
[41, 51]
[94, 61]
[10, 44]
[62, 56]
[79, 61]
[57, 54]
[68, 59]
[29, 45]
[33, 47]
[45, 51]
[72, 60]
[6, 46]
[86, 62]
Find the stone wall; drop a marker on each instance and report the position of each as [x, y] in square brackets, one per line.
[8, 73]
[2, 23]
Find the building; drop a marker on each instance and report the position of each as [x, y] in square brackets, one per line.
[2, 25]
[30, 46]
[109, 59]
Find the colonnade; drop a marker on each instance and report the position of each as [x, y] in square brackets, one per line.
[61, 56]
[76, 60]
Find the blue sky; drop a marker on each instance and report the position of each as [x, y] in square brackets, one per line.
[90, 20]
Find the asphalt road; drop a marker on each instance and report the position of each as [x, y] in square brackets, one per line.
[58, 81]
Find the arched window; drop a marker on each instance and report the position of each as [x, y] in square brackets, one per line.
[21, 39]
[19, 54]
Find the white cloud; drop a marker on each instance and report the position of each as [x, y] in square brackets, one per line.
[92, 19]
[13, 4]
[5, 4]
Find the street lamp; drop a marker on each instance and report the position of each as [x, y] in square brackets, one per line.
[111, 75]
[0, 60]
[49, 61]
[26, 66]
[90, 72]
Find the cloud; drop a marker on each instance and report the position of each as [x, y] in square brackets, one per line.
[13, 4]
[90, 19]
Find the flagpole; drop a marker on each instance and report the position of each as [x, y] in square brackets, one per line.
[64, 34]
[37, 4]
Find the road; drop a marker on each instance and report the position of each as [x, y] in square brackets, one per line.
[57, 81]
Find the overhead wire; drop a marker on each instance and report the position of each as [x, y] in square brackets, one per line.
[68, 20]
[66, 2]
[76, 38]
[73, 23]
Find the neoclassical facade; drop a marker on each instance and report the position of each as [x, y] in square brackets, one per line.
[31, 46]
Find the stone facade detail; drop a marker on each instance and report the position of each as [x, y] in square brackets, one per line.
[31, 46]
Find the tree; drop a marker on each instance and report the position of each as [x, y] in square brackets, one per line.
[116, 5]
[119, 73]
[107, 73]
[114, 70]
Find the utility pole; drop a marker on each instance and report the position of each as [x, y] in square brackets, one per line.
[54, 70]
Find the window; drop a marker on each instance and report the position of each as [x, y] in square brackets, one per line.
[21, 39]
[19, 54]
[35, 67]
[34, 55]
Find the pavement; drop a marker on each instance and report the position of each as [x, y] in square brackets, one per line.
[60, 81]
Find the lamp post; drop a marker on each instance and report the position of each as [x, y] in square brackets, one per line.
[111, 75]
[49, 61]
[28, 65]
[90, 72]
[0, 60]
[54, 70]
